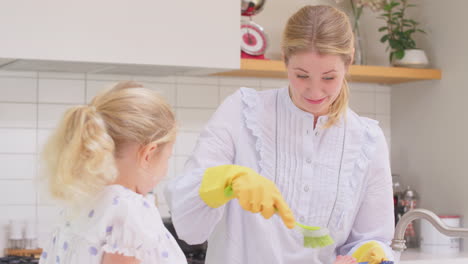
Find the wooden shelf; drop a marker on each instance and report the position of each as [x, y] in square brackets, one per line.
[36, 253]
[357, 73]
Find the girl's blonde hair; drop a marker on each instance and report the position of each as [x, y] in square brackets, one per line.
[326, 30]
[80, 155]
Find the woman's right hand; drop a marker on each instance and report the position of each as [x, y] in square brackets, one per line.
[255, 193]
[258, 194]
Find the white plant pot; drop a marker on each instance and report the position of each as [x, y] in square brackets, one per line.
[414, 58]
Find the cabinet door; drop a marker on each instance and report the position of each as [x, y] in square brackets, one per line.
[188, 33]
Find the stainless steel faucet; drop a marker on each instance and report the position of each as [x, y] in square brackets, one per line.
[398, 242]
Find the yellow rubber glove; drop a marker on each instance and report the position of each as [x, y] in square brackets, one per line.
[255, 193]
[371, 252]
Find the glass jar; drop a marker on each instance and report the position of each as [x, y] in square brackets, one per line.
[15, 238]
[30, 236]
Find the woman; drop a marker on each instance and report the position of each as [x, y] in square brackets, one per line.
[297, 147]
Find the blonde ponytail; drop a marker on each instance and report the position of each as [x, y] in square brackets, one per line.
[80, 155]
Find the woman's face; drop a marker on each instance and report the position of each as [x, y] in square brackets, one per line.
[315, 80]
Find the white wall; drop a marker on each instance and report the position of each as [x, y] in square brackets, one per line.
[31, 104]
[429, 119]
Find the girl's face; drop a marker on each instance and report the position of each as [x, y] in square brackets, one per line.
[315, 80]
[156, 168]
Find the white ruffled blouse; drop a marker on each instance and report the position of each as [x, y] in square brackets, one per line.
[118, 221]
[337, 178]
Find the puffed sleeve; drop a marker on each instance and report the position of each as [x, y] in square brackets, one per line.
[126, 232]
[374, 220]
[193, 219]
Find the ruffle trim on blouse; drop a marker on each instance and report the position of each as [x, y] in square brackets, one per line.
[369, 145]
[254, 116]
[356, 160]
[251, 101]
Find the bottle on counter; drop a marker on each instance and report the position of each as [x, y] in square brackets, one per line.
[397, 197]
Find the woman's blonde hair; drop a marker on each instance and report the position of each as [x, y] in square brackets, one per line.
[80, 155]
[326, 30]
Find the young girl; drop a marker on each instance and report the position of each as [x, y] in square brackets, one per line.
[102, 161]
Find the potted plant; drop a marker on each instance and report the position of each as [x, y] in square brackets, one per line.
[399, 32]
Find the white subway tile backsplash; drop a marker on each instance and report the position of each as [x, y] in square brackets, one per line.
[200, 95]
[3, 236]
[273, 83]
[61, 75]
[239, 82]
[157, 79]
[49, 213]
[380, 88]
[362, 102]
[267, 88]
[193, 119]
[17, 192]
[18, 115]
[196, 80]
[361, 87]
[108, 77]
[382, 103]
[368, 115]
[180, 164]
[185, 143]
[17, 166]
[51, 114]
[384, 122]
[42, 137]
[18, 89]
[26, 74]
[171, 168]
[47, 217]
[61, 91]
[225, 91]
[17, 140]
[167, 90]
[94, 87]
[19, 213]
[43, 195]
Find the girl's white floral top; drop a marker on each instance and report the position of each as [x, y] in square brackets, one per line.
[117, 221]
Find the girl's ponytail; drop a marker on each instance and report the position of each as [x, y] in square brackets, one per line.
[79, 156]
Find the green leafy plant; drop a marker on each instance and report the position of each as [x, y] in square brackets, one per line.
[399, 29]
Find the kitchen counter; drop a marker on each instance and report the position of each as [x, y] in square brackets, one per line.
[415, 256]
